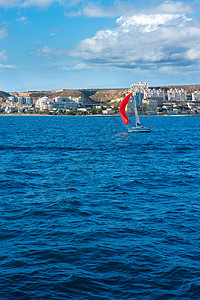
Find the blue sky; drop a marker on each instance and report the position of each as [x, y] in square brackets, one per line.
[47, 44]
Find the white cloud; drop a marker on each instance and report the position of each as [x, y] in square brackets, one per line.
[3, 55]
[170, 7]
[146, 41]
[24, 20]
[77, 67]
[93, 9]
[193, 54]
[26, 3]
[81, 66]
[7, 66]
[49, 53]
[39, 3]
[151, 22]
[3, 33]
[9, 3]
[96, 10]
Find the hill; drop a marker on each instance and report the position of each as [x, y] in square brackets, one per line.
[88, 95]
[94, 95]
[4, 94]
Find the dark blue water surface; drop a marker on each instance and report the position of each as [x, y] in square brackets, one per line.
[88, 211]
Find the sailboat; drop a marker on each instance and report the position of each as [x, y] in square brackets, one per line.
[138, 127]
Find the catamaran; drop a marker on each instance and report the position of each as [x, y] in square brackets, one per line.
[138, 127]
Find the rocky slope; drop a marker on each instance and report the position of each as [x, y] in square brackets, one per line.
[89, 95]
[4, 95]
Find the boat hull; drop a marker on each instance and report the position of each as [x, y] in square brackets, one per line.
[139, 129]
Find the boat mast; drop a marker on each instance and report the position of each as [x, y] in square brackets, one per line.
[137, 120]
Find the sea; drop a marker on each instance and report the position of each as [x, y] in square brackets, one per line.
[90, 211]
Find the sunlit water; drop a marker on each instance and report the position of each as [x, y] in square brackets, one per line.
[88, 211]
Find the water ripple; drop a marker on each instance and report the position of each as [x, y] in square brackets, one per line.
[96, 214]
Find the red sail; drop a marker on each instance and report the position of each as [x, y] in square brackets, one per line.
[122, 109]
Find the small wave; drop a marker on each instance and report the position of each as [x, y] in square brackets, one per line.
[87, 216]
[28, 148]
[193, 291]
[181, 149]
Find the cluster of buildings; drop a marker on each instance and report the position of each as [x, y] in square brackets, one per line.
[158, 101]
[58, 103]
[150, 101]
[176, 95]
[28, 104]
[20, 100]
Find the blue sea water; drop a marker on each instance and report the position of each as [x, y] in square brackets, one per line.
[88, 211]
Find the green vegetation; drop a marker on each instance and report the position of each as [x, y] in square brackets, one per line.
[82, 113]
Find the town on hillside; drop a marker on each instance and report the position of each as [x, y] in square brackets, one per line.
[150, 101]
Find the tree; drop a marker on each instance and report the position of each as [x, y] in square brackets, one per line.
[94, 110]
[47, 112]
[99, 111]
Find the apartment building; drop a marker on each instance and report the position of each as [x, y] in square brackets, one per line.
[176, 95]
[196, 96]
[149, 106]
[42, 102]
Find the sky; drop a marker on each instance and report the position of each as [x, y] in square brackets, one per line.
[78, 44]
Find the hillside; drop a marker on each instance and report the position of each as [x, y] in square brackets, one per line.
[94, 95]
[89, 95]
[4, 94]
[108, 95]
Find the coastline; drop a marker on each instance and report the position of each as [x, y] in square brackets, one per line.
[116, 115]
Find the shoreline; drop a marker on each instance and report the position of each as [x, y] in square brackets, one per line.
[116, 115]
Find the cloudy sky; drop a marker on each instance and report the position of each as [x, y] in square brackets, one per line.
[56, 44]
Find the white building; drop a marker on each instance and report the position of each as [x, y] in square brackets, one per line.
[140, 90]
[58, 99]
[108, 111]
[82, 109]
[58, 103]
[42, 102]
[172, 112]
[154, 93]
[196, 96]
[78, 100]
[12, 99]
[141, 87]
[67, 103]
[10, 109]
[176, 95]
